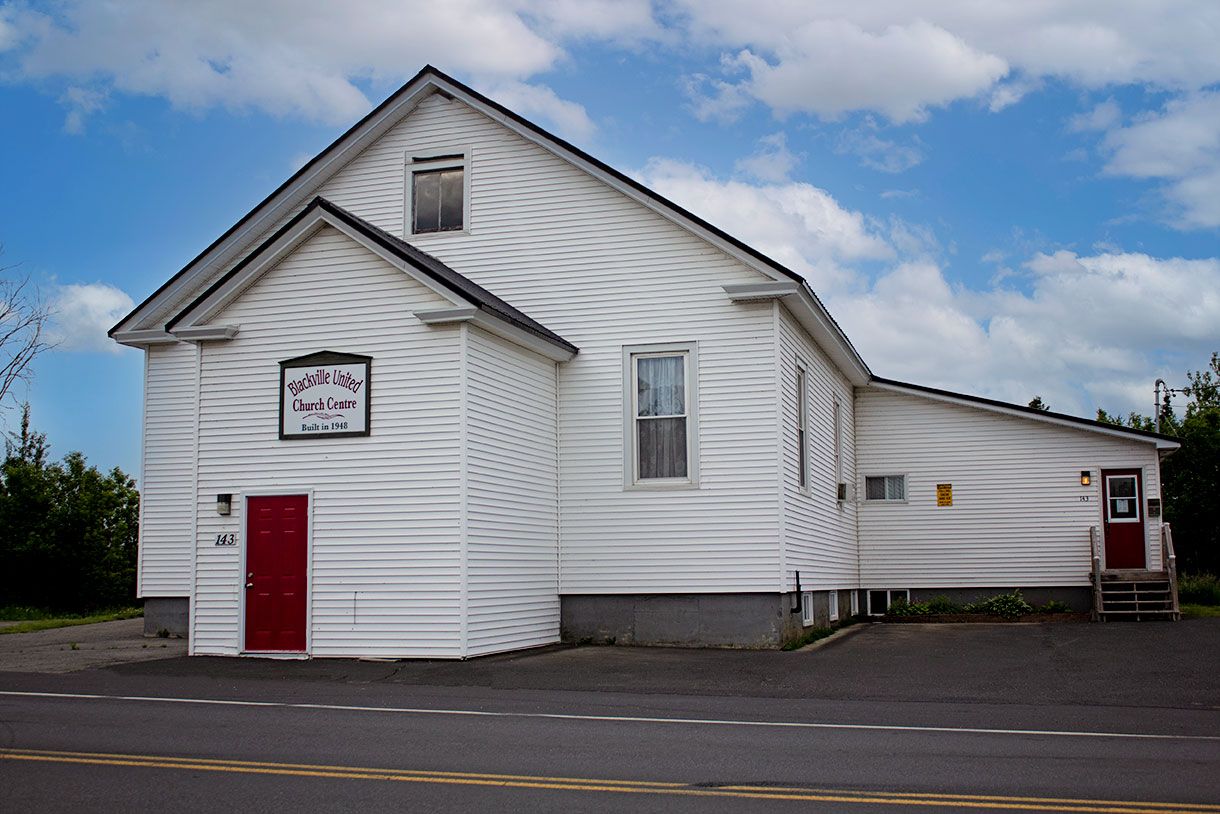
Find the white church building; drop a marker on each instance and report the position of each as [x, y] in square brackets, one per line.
[457, 387]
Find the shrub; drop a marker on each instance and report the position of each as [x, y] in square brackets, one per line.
[1055, 606]
[901, 607]
[943, 604]
[1199, 589]
[1010, 606]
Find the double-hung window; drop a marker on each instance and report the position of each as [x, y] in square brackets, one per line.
[661, 415]
[437, 193]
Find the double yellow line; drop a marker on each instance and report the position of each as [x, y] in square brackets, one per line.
[621, 786]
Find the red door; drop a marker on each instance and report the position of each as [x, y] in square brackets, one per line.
[276, 572]
[1123, 496]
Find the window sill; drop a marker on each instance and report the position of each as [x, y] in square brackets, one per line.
[659, 486]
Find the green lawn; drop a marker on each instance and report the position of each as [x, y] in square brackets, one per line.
[47, 621]
[1196, 611]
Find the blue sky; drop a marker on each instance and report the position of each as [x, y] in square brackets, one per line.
[999, 198]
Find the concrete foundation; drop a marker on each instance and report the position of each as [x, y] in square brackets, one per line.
[689, 620]
[170, 613]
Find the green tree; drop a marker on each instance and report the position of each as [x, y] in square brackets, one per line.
[1038, 404]
[67, 532]
[1191, 475]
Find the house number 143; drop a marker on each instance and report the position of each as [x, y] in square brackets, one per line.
[226, 539]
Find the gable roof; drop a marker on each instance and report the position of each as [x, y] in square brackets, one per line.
[451, 285]
[1162, 441]
[305, 182]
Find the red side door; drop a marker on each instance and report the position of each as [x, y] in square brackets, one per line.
[276, 573]
[1123, 495]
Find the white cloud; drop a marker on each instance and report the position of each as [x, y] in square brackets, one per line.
[82, 313]
[901, 58]
[80, 103]
[1103, 116]
[285, 57]
[1078, 331]
[829, 67]
[1180, 145]
[772, 161]
[798, 224]
[875, 152]
[569, 119]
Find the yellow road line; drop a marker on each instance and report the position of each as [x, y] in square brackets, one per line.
[627, 786]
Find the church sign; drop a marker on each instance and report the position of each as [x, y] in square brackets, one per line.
[325, 395]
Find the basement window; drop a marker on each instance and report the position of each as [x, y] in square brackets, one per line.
[807, 608]
[833, 598]
[879, 601]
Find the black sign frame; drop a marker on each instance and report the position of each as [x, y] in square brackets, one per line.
[327, 357]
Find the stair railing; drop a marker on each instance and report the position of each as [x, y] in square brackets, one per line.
[1169, 561]
[1095, 548]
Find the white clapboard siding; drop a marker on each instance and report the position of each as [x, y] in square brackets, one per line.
[819, 530]
[168, 471]
[385, 564]
[512, 494]
[1018, 517]
[605, 272]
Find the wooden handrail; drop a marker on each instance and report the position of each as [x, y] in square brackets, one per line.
[1094, 548]
[1170, 562]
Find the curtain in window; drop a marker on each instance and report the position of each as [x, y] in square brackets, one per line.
[661, 416]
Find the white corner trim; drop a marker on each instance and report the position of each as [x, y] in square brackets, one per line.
[199, 333]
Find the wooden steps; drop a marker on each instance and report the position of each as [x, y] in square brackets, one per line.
[1136, 595]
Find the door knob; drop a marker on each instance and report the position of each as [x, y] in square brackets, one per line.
[249, 584]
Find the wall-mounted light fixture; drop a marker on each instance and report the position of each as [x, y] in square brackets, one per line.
[224, 504]
[1085, 477]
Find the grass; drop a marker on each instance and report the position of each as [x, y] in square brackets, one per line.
[816, 634]
[1199, 589]
[1199, 611]
[46, 621]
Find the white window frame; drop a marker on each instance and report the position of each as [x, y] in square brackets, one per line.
[855, 602]
[802, 427]
[1137, 498]
[432, 161]
[905, 488]
[890, 595]
[631, 464]
[832, 597]
[807, 608]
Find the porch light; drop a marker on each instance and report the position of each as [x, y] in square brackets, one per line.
[224, 504]
[1085, 478]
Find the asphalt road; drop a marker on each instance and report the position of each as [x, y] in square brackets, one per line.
[888, 719]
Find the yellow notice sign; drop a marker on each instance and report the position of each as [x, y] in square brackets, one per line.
[944, 494]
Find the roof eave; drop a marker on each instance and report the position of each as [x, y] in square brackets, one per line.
[1160, 441]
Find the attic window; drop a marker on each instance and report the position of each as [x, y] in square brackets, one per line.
[438, 192]
[437, 200]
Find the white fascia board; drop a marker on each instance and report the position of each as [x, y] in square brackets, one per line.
[812, 317]
[494, 325]
[272, 211]
[140, 339]
[200, 333]
[286, 245]
[1160, 443]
